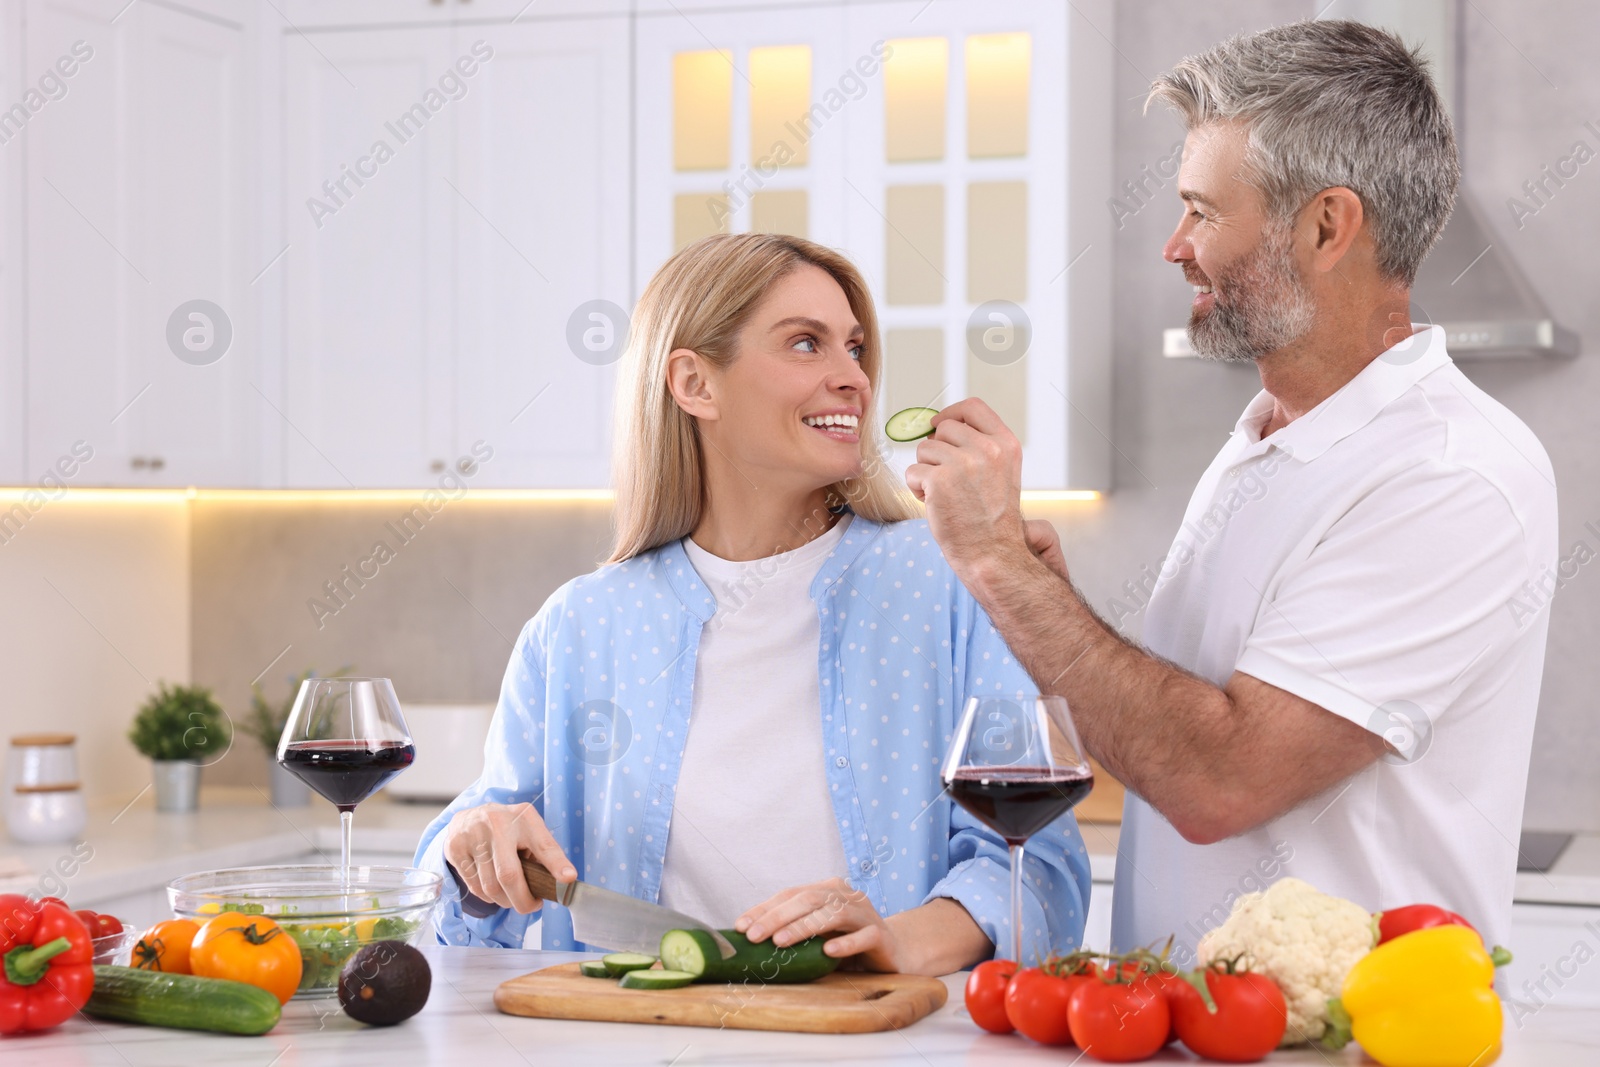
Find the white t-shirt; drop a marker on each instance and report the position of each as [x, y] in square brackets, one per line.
[753, 814]
[1386, 556]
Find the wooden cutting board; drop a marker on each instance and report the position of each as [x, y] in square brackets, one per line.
[845, 1002]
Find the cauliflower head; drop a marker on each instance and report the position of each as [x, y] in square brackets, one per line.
[1301, 938]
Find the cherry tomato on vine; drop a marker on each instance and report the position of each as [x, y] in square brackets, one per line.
[1118, 1021]
[1171, 986]
[986, 995]
[1036, 1005]
[1248, 1023]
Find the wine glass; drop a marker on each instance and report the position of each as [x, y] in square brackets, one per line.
[346, 739]
[1016, 765]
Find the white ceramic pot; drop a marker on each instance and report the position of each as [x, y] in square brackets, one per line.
[177, 784]
[42, 760]
[288, 791]
[46, 816]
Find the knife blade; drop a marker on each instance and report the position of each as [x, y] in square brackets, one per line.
[614, 920]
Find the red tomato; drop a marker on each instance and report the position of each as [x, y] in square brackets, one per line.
[1118, 1022]
[105, 926]
[1036, 1004]
[1248, 1023]
[1171, 987]
[986, 995]
[54, 900]
[88, 918]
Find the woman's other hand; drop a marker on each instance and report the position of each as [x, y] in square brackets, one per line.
[483, 843]
[832, 906]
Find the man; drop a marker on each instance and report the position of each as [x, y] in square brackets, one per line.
[1336, 683]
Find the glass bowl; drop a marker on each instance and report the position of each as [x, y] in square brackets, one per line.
[116, 948]
[327, 920]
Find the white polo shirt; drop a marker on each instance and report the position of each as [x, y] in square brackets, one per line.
[1385, 556]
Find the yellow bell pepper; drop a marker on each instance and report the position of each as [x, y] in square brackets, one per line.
[1424, 999]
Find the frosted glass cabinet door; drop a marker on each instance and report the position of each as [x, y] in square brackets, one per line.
[959, 212]
[739, 125]
[965, 209]
[136, 182]
[368, 390]
[541, 202]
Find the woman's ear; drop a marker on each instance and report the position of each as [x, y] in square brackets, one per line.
[689, 380]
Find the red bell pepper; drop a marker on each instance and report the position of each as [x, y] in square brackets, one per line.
[48, 965]
[1413, 917]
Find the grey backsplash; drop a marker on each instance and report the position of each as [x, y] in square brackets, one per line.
[438, 618]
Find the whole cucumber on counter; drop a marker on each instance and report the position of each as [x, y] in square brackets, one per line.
[695, 952]
[181, 1001]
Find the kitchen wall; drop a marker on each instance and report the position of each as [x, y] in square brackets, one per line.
[438, 618]
[96, 613]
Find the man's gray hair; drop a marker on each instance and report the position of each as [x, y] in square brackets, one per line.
[1330, 103]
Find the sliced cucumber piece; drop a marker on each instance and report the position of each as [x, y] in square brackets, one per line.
[594, 969]
[912, 424]
[695, 952]
[655, 980]
[620, 963]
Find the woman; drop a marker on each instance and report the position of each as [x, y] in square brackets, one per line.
[741, 714]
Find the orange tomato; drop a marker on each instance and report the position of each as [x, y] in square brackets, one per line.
[247, 948]
[165, 947]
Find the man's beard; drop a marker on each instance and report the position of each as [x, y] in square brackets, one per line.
[1260, 305]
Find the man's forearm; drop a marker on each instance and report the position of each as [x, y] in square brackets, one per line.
[1159, 730]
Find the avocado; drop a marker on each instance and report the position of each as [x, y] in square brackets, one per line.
[387, 982]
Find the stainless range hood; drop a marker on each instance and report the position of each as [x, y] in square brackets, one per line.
[1469, 284]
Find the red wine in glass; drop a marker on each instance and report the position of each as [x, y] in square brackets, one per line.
[345, 771]
[345, 738]
[1018, 802]
[1016, 766]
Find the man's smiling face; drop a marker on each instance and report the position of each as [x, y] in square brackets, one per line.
[1249, 298]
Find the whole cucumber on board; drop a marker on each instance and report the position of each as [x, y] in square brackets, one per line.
[181, 1001]
[695, 952]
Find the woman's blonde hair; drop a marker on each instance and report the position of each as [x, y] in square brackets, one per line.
[700, 299]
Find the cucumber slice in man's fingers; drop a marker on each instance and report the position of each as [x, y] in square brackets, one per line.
[912, 424]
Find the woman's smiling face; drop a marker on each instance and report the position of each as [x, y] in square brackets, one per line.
[787, 411]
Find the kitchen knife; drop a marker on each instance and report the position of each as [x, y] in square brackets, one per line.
[613, 920]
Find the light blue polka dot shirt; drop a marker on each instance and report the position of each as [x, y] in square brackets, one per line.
[594, 712]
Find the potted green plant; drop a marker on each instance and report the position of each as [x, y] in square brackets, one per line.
[265, 723]
[180, 727]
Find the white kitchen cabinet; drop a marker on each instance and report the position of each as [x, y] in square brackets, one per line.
[405, 236]
[13, 401]
[966, 227]
[347, 14]
[136, 191]
[476, 194]
[541, 197]
[368, 382]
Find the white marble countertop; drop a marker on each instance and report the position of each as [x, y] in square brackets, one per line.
[131, 846]
[134, 846]
[461, 1025]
